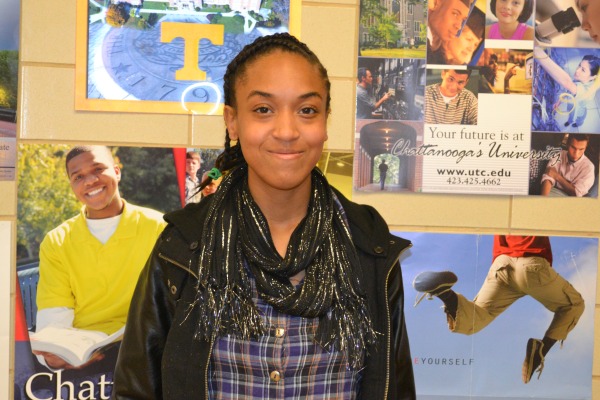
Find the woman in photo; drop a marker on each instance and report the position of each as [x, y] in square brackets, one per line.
[590, 18]
[512, 18]
[276, 285]
[583, 85]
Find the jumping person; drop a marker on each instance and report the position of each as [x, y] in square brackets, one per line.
[522, 266]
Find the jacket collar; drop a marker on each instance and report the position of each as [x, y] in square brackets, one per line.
[190, 219]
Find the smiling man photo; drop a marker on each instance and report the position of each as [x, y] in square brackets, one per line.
[449, 102]
[90, 263]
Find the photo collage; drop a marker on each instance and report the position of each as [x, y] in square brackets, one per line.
[479, 97]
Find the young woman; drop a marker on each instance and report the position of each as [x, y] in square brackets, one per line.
[275, 286]
[590, 18]
[583, 85]
[512, 20]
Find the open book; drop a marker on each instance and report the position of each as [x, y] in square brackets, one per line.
[76, 346]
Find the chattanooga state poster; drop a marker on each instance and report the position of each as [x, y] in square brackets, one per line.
[47, 200]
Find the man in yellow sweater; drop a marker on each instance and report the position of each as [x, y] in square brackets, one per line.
[89, 264]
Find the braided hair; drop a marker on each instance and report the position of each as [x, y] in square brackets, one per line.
[232, 155]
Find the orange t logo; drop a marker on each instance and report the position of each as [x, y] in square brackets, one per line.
[191, 35]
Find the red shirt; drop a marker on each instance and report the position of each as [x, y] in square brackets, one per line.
[523, 246]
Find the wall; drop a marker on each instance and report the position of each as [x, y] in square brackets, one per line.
[47, 79]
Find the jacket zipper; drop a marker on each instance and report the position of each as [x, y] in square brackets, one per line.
[389, 324]
[212, 339]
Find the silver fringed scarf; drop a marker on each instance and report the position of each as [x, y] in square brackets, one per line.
[236, 231]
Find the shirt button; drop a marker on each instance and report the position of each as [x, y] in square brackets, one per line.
[279, 332]
[275, 376]
[378, 249]
[193, 245]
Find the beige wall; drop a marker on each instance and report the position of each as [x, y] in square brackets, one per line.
[47, 80]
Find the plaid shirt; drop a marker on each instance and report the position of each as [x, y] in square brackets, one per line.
[285, 363]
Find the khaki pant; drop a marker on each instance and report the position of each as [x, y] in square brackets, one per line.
[511, 278]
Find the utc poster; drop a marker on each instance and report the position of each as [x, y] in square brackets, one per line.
[478, 97]
[488, 363]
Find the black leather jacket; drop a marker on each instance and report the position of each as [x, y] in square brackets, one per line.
[160, 359]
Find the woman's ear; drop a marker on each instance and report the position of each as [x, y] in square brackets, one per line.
[230, 117]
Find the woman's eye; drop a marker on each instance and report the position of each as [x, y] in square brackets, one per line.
[308, 110]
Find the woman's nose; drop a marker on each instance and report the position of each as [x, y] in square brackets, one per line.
[286, 126]
[585, 23]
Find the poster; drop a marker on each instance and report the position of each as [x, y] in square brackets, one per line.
[488, 363]
[9, 60]
[45, 201]
[495, 104]
[9, 64]
[167, 56]
[48, 200]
